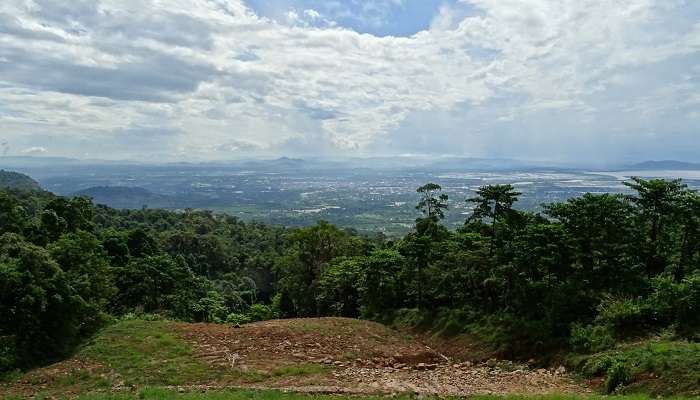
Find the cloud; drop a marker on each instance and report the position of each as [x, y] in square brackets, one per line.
[35, 150]
[211, 78]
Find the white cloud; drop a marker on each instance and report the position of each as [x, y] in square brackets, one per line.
[35, 150]
[216, 77]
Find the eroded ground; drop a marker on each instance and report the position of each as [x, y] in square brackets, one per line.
[317, 355]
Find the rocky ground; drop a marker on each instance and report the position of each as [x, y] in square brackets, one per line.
[361, 357]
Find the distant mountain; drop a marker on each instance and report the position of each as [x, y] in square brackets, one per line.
[666, 165]
[126, 197]
[15, 180]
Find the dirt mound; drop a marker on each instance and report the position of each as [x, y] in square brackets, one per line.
[340, 342]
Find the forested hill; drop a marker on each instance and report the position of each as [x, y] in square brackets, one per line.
[127, 197]
[15, 180]
[582, 276]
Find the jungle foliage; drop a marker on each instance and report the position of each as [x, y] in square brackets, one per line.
[582, 275]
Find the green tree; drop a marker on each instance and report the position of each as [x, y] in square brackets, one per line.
[656, 200]
[13, 217]
[494, 202]
[338, 287]
[432, 203]
[39, 310]
[310, 250]
[81, 256]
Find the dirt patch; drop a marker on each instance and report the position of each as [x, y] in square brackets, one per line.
[337, 342]
[361, 357]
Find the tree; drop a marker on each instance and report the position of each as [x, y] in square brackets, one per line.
[494, 202]
[338, 293]
[656, 200]
[81, 256]
[13, 217]
[432, 202]
[309, 252]
[601, 230]
[40, 312]
[689, 217]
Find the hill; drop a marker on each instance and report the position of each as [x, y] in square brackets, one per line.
[15, 180]
[672, 165]
[316, 355]
[126, 197]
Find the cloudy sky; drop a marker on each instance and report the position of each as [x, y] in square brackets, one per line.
[561, 80]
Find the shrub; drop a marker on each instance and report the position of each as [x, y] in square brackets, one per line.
[623, 316]
[211, 308]
[8, 352]
[591, 338]
[617, 377]
[237, 319]
[260, 312]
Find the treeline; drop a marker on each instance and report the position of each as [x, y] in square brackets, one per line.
[583, 274]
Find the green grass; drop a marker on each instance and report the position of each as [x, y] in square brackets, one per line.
[147, 353]
[658, 367]
[135, 354]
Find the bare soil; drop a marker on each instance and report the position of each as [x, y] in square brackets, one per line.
[362, 357]
[318, 355]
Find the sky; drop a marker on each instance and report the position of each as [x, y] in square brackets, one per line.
[193, 80]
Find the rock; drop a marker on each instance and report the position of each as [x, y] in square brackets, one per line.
[181, 390]
[425, 367]
[561, 370]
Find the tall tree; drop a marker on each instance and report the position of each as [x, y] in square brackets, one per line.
[433, 203]
[656, 200]
[494, 202]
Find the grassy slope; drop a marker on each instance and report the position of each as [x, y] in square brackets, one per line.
[658, 367]
[134, 354]
[137, 356]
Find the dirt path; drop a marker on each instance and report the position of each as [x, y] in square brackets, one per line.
[359, 357]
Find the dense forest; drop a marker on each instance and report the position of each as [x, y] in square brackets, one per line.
[580, 276]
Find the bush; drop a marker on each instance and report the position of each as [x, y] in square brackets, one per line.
[591, 338]
[260, 312]
[677, 303]
[237, 319]
[623, 316]
[8, 353]
[211, 308]
[617, 376]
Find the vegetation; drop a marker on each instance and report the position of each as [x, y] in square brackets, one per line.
[584, 276]
[17, 181]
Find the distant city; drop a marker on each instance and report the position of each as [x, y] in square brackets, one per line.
[369, 195]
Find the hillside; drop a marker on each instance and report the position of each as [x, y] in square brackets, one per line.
[318, 355]
[666, 165]
[126, 197]
[15, 180]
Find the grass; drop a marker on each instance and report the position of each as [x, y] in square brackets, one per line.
[147, 353]
[659, 366]
[135, 354]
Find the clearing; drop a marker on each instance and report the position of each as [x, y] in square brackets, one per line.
[316, 355]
